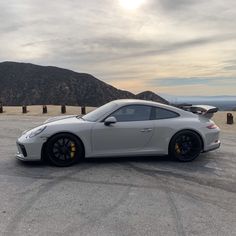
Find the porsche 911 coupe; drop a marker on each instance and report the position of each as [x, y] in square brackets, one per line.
[123, 128]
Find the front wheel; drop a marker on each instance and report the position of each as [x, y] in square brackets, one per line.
[64, 150]
[185, 146]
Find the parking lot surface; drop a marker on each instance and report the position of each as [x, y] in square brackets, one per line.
[116, 196]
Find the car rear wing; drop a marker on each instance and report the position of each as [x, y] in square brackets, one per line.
[203, 110]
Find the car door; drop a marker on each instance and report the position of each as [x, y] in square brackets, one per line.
[130, 134]
[165, 126]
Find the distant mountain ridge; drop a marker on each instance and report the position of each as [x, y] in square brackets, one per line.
[29, 84]
[148, 95]
[223, 102]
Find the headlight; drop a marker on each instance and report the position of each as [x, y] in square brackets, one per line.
[36, 131]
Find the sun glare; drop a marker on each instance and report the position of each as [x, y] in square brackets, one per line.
[131, 4]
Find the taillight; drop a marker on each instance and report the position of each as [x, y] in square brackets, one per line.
[212, 126]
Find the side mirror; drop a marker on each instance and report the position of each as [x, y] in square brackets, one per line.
[110, 120]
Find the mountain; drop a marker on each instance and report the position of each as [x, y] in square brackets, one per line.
[148, 95]
[29, 84]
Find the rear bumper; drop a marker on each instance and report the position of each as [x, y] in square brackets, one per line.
[212, 140]
[213, 146]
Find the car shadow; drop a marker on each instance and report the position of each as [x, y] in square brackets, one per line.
[31, 163]
[104, 160]
[160, 161]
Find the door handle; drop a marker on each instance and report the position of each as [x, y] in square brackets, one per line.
[146, 130]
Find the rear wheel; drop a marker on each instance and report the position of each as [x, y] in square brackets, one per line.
[185, 146]
[64, 150]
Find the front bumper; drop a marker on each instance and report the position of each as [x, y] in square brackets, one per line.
[29, 149]
[21, 157]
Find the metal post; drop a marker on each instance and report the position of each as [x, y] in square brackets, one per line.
[24, 109]
[83, 110]
[45, 109]
[63, 109]
[1, 108]
[230, 119]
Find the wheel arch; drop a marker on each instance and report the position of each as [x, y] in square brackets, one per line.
[43, 150]
[183, 130]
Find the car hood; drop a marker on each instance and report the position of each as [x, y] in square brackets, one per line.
[58, 118]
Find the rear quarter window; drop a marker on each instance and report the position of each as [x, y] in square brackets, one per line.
[161, 113]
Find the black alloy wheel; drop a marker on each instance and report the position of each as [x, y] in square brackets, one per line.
[185, 146]
[64, 150]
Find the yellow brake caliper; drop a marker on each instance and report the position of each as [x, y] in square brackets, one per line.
[177, 148]
[72, 150]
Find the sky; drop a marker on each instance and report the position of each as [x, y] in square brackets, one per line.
[176, 47]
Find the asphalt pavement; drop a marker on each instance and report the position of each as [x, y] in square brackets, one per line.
[116, 196]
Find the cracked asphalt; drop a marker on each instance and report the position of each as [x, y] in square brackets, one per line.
[116, 196]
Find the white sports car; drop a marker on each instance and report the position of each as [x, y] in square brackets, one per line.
[123, 128]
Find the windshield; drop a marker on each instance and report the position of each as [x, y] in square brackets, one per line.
[100, 112]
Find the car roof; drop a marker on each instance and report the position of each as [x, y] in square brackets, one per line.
[122, 102]
[141, 102]
[135, 101]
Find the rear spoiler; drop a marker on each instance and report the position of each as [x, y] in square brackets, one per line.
[204, 110]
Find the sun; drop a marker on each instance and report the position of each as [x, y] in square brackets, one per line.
[131, 4]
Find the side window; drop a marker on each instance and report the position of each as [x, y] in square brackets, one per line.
[161, 113]
[133, 113]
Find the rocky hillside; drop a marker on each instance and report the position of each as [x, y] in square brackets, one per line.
[22, 83]
[148, 95]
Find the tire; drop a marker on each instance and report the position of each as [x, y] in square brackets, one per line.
[64, 150]
[185, 146]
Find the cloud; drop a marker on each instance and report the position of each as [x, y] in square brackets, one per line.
[174, 5]
[117, 48]
[211, 81]
[166, 48]
[164, 38]
[198, 15]
[232, 67]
